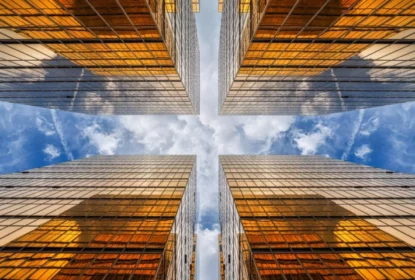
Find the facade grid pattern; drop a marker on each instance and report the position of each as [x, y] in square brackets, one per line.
[112, 217]
[101, 56]
[309, 217]
[312, 57]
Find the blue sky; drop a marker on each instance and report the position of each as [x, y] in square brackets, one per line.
[33, 137]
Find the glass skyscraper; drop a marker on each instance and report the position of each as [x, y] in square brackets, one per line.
[311, 57]
[310, 217]
[112, 217]
[101, 56]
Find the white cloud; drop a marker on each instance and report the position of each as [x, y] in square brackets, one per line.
[156, 133]
[51, 152]
[355, 131]
[370, 126]
[58, 126]
[309, 143]
[266, 128]
[363, 152]
[44, 126]
[207, 264]
[106, 143]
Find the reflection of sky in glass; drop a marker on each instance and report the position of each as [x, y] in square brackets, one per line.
[296, 216]
[121, 216]
[116, 57]
[315, 57]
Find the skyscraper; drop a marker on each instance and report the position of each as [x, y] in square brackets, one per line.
[310, 217]
[112, 217]
[101, 56]
[311, 57]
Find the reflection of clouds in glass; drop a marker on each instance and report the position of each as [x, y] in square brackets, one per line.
[22, 55]
[392, 55]
[19, 228]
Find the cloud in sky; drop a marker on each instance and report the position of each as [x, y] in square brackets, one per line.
[363, 151]
[44, 126]
[310, 142]
[207, 242]
[355, 131]
[384, 136]
[51, 152]
[106, 142]
[61, 133]
[370, 126]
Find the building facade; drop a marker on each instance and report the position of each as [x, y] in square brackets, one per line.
[112, 217]
[310, 217]
[101, 56]
[311, 57]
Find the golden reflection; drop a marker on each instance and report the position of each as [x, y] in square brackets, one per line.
[338, 19]
[220, 5]
[293, 224]
[326, 230]
[149, 235]
[98, 19]
[196, 6]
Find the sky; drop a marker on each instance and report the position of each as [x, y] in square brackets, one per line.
[381, 137]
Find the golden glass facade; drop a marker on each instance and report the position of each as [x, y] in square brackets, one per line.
[310, 217]
[310, 57]
[220, 5]
[101, 56]
[112, 217]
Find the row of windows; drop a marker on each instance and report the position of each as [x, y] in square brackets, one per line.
[69, 265]
[97, 175]
[103, 168]
[81, 193]
[340, 266]
[285, 174]
[334, 193]
[323, 182]
[91, 182]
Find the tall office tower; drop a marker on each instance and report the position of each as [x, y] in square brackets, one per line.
[310, 217]
[311, 57]
[101, 56]
[105, 217]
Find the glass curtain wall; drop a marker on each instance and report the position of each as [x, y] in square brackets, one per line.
[101, 56]
[313, 57]
[310, 217]
[112, 217]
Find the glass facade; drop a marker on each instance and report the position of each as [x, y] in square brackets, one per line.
[311, 57]
[310, 217]
[101, 56]
[112, 217]
[221, 275]
[193, 275]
